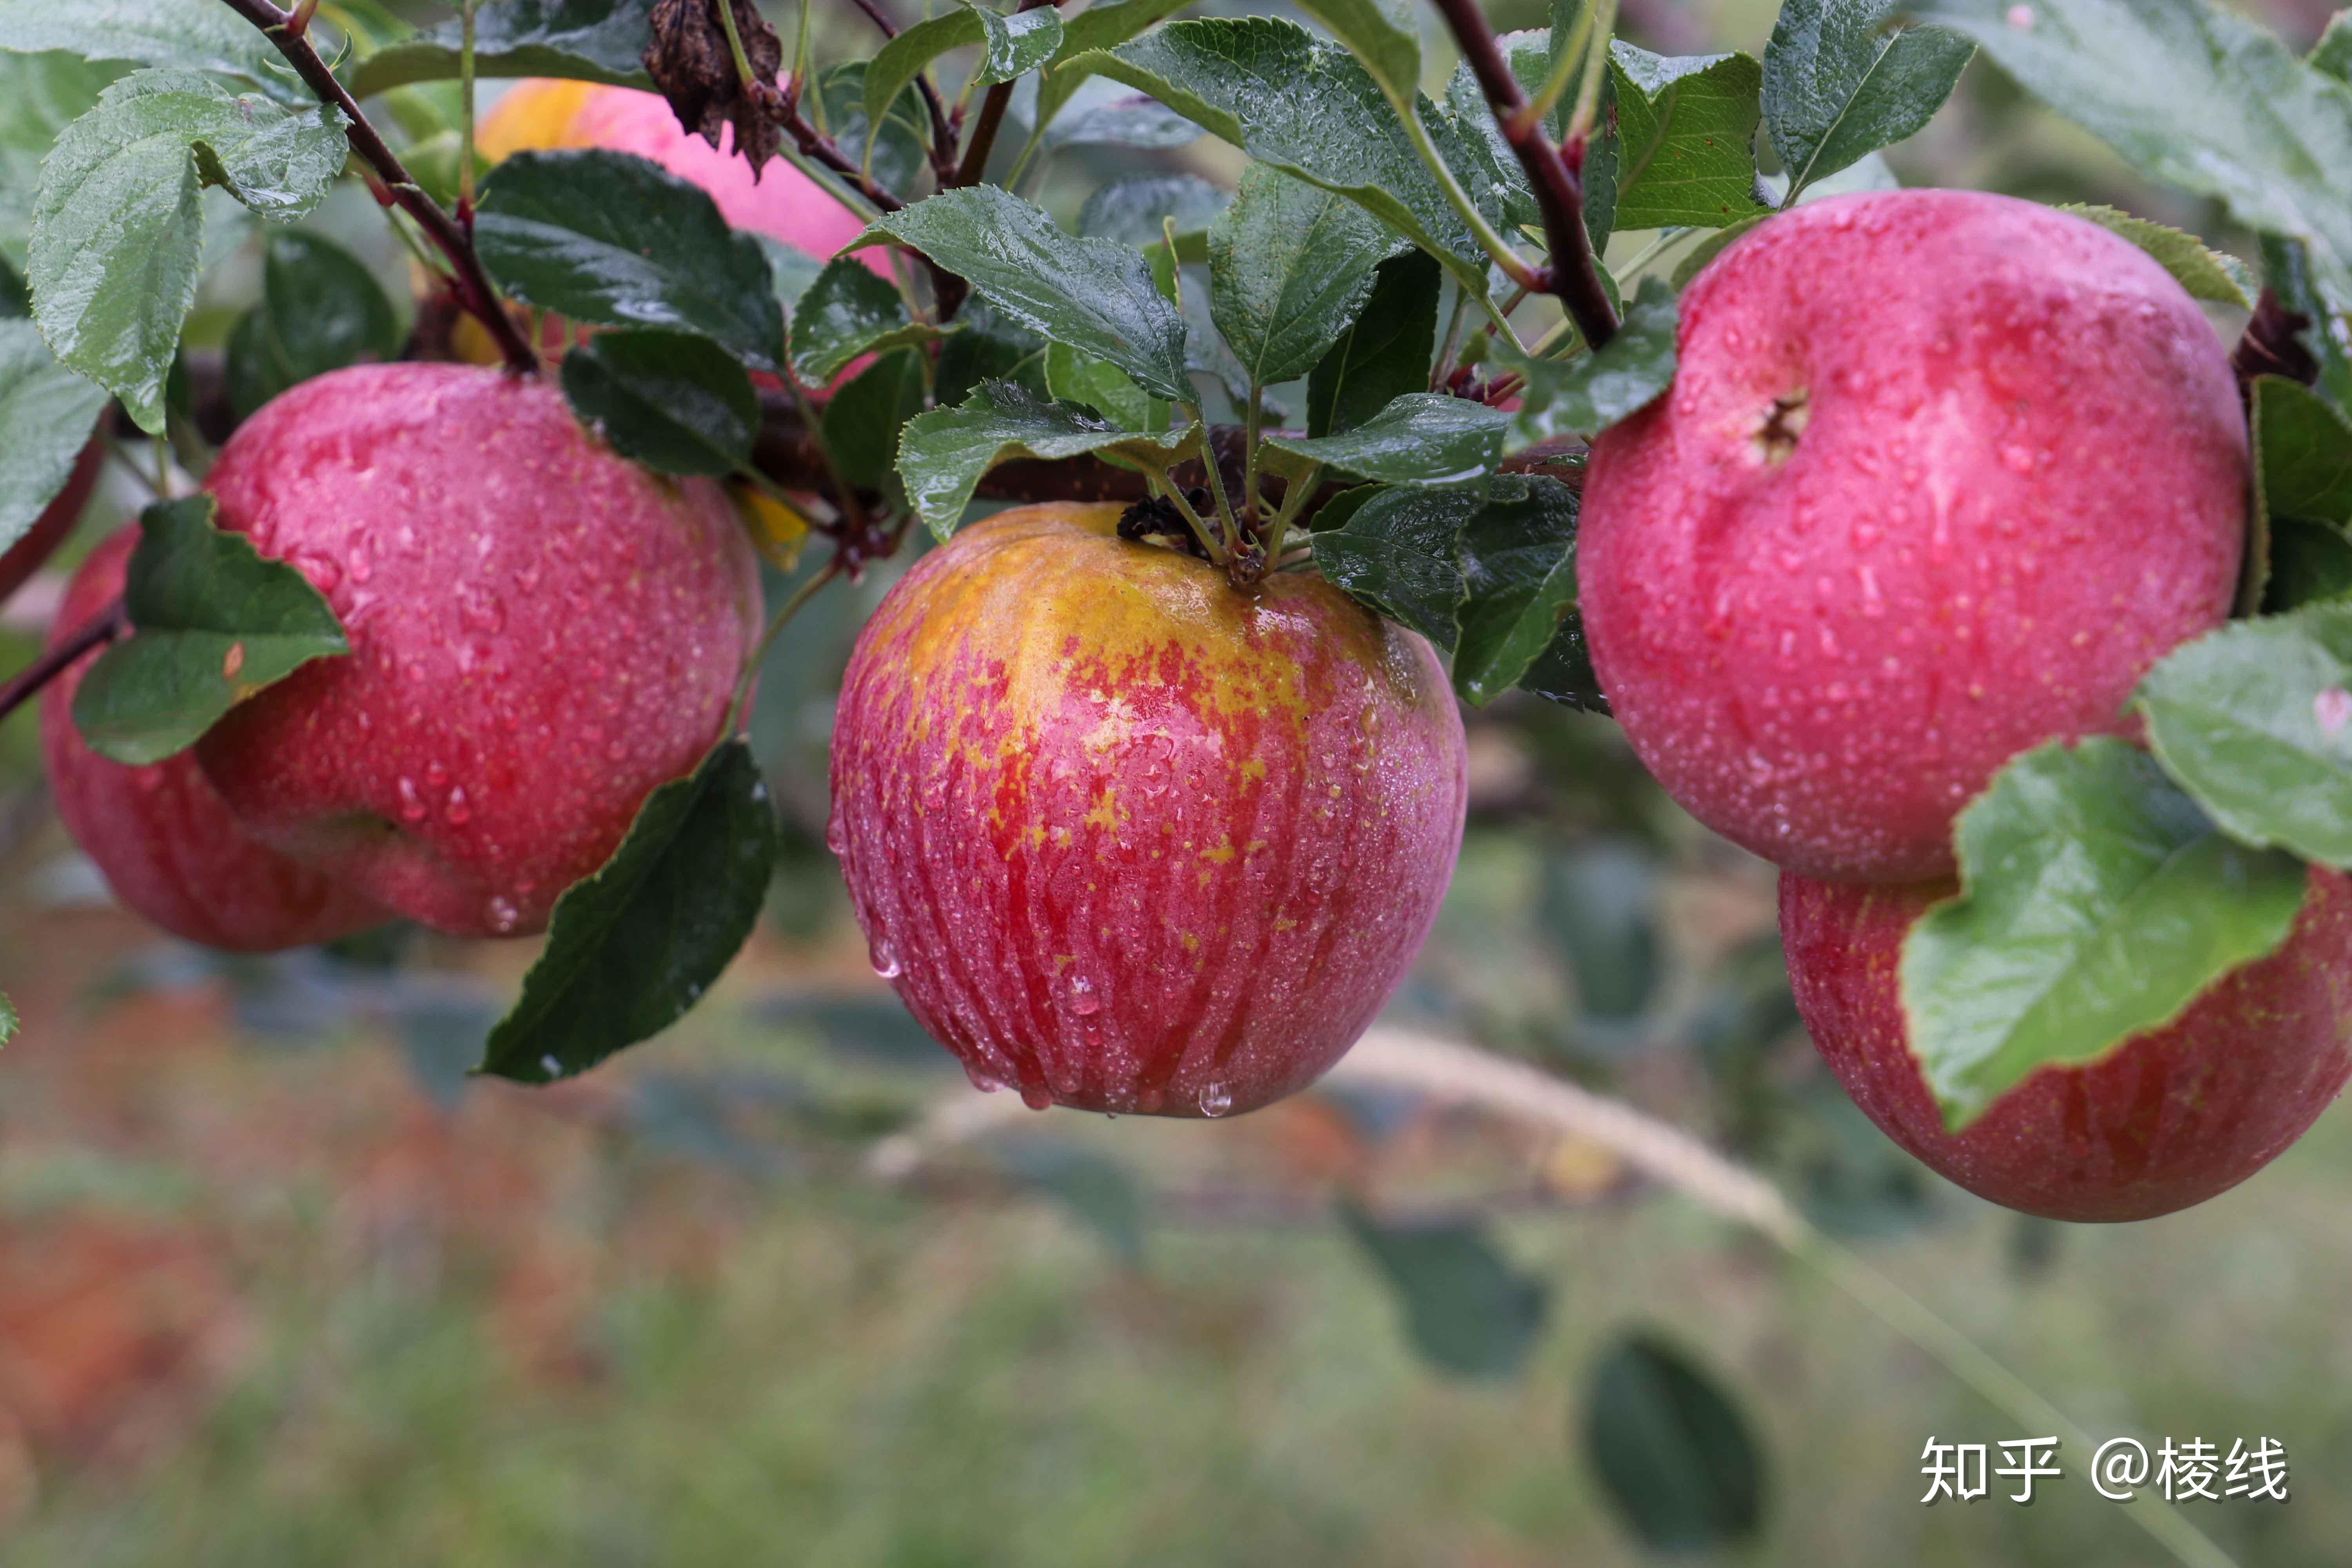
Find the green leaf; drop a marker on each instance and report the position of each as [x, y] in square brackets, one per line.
[1676, 1458]
[580, 40]
[216, 623]
[1290, 265]
[1686, 133]
[1073, 377]
[2098, 902]
[1422, 438]
[1132, 122]
[1594, 391]
[2252, 721]
[1383, 354]
[791, 273]
[2332, 56]
[2287, 272]
[186, 35]
[321, 310]
[1013, 46]
[2206, 274]
[614, 239]
[117, 229]
[898, 157]
[1130, 210]
[677, 403]
[1385, 43]
[987, 348]
[2311, 564]
[1306, 105]
[1400, 552]
[40, 95]
[1518, 573]
[2193, 95]
[1099, 27]
[1563, 673]
[1095, 295]
[16, 299]
[1468, 1310]
[47, 417]
[1842, 78]
[8, 1020]
[943, 454]
[2303, 453]
[862, 421]
[848, 312]
[633, 946]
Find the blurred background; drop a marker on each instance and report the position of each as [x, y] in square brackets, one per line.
[280, 1285]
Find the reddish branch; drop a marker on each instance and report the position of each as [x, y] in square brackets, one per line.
[291, 39]
[2272, 345]
[1556, 174]
[100, 628]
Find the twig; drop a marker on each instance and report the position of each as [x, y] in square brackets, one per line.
[472, 284]
[1572, 273]
[992, 116]
[942, 149]
[103, 627]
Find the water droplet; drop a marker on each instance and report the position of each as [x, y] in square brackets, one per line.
[982, 1081]
[504, 916]
[836, 835]
[1216, 1098]
[1083, 1000]
[1036, 1096]
[885, 961]
[554, 1069]
[412, 808]
[457, 811]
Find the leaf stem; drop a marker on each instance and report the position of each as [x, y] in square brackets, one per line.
[465, 116]
[98, 630]
[792, 606]
[472, 285]
[1216, 479]
[1162, 487]
[1571, 272]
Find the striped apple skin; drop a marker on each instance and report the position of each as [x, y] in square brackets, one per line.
[1126, 839]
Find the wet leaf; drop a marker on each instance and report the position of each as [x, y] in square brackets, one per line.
[1399, 550]
[118, 234]
[1422, 438]
[633, 946]
[676, 402]
[614, 240]
[1468, 1310]
[1013, 46]
[848, 310]
[1685, 135]
[1290, 265]
[2206, 274]
[1095, 295]
[944, 453]
[185, 34]
[1518, 572]
[320, 310]
[1383, 354]
[579, 40]
[2098, 902]
[1130, 209]
[214, 623]
[1676, 1456]
[40, 95]
[1593, 390]
[1845, 77]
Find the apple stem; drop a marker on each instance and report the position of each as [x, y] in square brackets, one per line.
[1573, 272]
[472, 285]
[103, 628]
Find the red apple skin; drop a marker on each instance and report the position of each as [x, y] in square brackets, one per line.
[38, 543]
[2166, 1120]
[1128, 839]
[2020, 481]
[541, 633]
[168, 846]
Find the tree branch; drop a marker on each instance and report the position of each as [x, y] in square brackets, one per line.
[1573, 273]
[100, 628]
[2272, 345]
[291, 39]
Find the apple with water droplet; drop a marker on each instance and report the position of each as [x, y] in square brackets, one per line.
[1940, 475]
[1127, 838]
[541, 633]
[160, 835]
[2167, 1119]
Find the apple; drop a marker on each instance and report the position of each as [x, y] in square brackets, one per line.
[38, 543]
[1941, 474]
[2165, 1120]
[541, 632]
[1128, 839]
[167, 845]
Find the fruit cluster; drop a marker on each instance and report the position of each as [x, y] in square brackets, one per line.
[1940, 476]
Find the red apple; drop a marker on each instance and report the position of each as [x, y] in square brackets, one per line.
[541, 633]
[38, 543]
[1940, 475]
[168, 846]
[2165, 1120]
[1128, 839]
